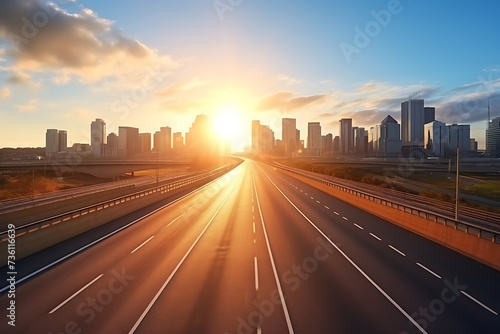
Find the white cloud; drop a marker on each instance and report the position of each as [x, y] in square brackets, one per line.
[80, 44]
[288, 80]
[4, 93]
[29, 107]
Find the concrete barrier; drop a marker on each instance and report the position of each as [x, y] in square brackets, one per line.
[40, 212]
[28, 243]
[473, 246]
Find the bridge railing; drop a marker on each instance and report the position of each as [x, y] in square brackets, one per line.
[66, 216]
[470, 228]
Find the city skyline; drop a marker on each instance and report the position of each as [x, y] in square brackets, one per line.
[316, 62]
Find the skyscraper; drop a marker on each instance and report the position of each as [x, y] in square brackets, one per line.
[412, 123]
[199, 140]
[429, 114]
[51, 143]
[145, 139]
[328, 144]
[112, 145]
[178, 141]
[346, 135]
[97, 137]
[289, 135]
[385, 138]
[62, 144]
[165, 140]
[128, 141]
[436, 138]
[262, 138]
[314, 138]
[493, 138]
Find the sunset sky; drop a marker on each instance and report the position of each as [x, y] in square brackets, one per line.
[160, 63]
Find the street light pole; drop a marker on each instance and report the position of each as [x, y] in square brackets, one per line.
[457, 184]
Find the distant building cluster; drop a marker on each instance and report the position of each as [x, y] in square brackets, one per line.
[130, 143]
[418, 136]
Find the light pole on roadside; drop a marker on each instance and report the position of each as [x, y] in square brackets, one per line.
[457, 185]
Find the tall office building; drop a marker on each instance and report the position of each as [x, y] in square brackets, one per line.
[458, 137]
[112, 145]
[429, 114]
[360, 141]
[199, 140]
[346, 136]
[177, 141]
[97, 137]
[145, 140]
[412, 123]
[436, 138]
[62, 144]
[128, 141]
[328, 144]
[314, 140]
[289, 135]
[385, 138]
[164, 144]
[262, 138]
[493, 138]
[51, 143]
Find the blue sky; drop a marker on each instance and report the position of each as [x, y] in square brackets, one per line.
[156, 63]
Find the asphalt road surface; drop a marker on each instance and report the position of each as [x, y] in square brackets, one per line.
[255, 251]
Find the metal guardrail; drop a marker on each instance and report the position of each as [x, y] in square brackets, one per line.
[474, 229]
[64, 217]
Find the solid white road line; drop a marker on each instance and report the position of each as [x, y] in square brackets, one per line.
[73, 295]
[155, 298]
[132, 252]
[430, 271]
[256, 274]
[397, 250]
[276, 277]
[36, 272]
[368, 278]
[373, 235]
[360, 227]
[477, 301]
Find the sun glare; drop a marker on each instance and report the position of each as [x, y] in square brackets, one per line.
[228, 124]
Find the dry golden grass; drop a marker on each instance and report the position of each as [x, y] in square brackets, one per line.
[22, 185]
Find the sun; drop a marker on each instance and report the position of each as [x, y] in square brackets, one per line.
[228, 124]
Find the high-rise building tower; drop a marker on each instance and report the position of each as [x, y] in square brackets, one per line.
[128, 141]
[346, 136]
[62, 144]
[429, 114]
[412, 123]
[289, 135]
[97, 137]
[178, 141]
[262, 138]
[51, 143]
[314, 138]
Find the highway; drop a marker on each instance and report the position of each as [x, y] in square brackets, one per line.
[254, 251]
